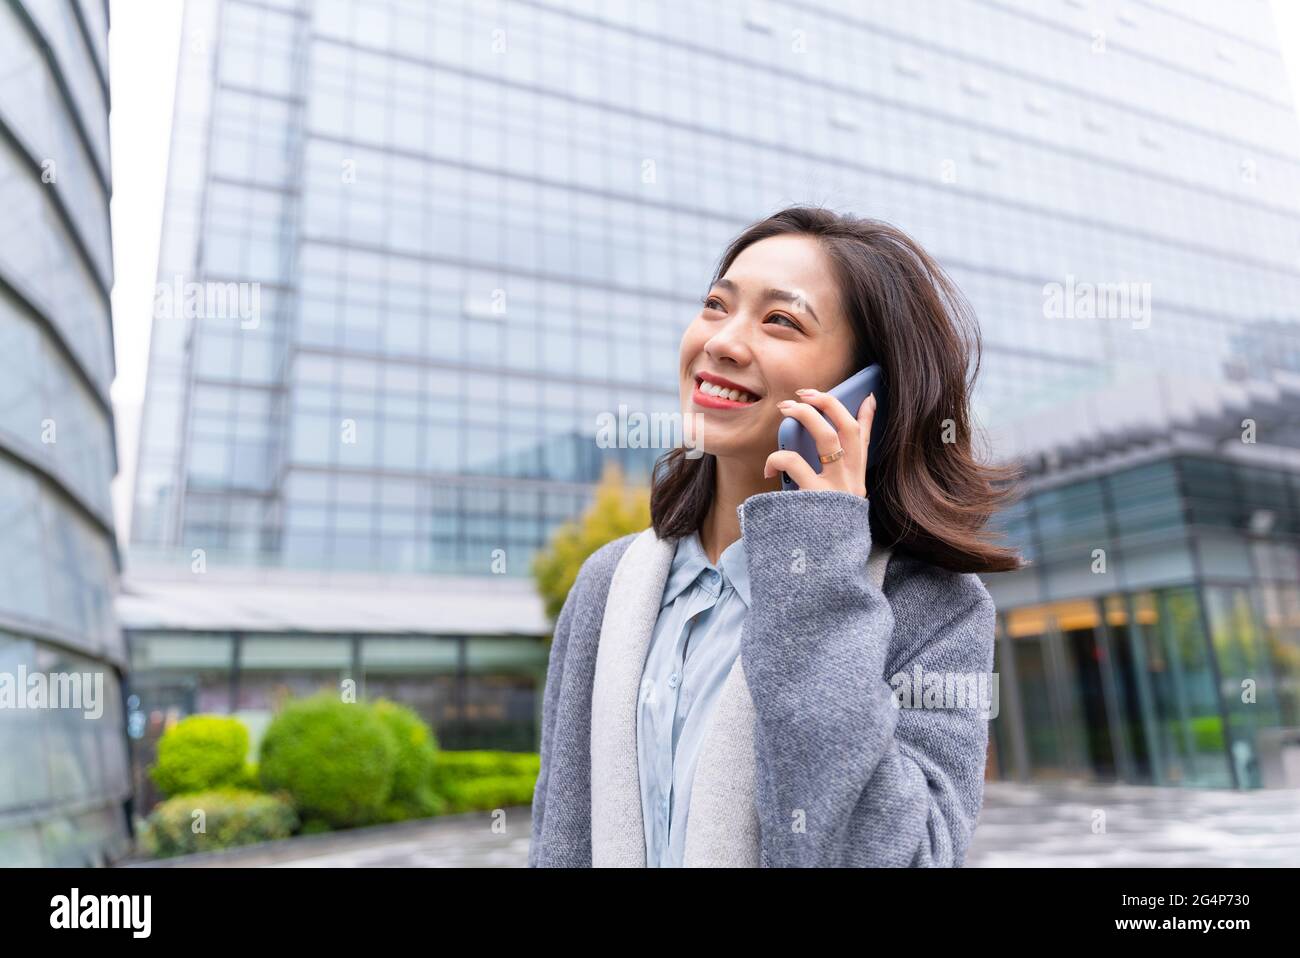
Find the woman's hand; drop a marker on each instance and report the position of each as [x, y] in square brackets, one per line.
[846, 474]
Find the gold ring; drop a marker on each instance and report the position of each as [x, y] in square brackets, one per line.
[837, 454]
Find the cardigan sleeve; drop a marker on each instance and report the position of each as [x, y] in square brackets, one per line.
[550, 705]
[844, 775]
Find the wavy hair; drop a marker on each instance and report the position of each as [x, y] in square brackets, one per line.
[929, 494]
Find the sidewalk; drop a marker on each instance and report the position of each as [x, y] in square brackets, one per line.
[1049, 825]
[1052, 825]
[449, 841]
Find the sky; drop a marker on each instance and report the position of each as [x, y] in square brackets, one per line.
[143, 45]
[143, 42]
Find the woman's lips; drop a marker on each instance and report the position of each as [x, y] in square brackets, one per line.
[716, 402]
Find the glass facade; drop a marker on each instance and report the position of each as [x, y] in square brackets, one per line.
[477, 226]
[447, 237]
[1156, 636]
[64, 786]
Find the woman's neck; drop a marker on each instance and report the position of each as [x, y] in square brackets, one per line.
[735, 480]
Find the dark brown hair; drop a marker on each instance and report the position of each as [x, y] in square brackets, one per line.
[928, 497]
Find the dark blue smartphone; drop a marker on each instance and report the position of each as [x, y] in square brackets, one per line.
[852, 392]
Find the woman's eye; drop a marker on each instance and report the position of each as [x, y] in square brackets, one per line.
[792, 324]
[708, 300]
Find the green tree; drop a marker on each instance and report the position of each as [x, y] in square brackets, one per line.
[616, 510]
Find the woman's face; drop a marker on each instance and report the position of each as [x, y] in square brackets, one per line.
[773, 323]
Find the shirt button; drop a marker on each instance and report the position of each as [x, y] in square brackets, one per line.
[673, 680]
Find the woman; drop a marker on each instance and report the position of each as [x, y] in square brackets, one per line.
[730, 686]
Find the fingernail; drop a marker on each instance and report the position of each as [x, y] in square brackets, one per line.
[804, 392]
[785, 402]
[872, 397]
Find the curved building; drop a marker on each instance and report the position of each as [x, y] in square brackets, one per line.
[64, 786]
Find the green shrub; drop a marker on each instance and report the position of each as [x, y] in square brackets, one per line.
[478, 780]
[459, 765]
[412, 795]
[200, 753]
[230, 818]
[248, 780]
[494, 791]
[335, 760]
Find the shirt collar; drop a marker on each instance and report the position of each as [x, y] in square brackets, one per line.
[735, 567]
[689, 562]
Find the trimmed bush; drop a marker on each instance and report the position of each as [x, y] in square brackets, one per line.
[477, 780]
[248, 780]
[335, 760]
[231, 818]
[494, 791]
[201, 753]
[412, 795]
[472, 763]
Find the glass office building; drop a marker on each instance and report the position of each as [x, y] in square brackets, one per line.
[63, 774]
[1155, 636]
[448, 237]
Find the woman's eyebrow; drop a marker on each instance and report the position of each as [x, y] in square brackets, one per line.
[784, 295]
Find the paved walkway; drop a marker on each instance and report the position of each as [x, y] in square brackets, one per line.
[1022, 825]
[451, 841]
[1052, 825]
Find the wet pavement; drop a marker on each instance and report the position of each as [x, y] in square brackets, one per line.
[1053, 825]
[1109, 826]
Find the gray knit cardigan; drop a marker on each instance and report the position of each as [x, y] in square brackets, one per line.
[810, 760]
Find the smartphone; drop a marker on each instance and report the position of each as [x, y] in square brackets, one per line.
[852, 392]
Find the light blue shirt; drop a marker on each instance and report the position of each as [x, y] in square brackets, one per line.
[695, 643]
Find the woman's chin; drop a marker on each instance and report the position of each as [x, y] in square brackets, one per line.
[727, 450]
[712, 434]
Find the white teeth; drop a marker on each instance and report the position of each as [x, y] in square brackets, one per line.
[735, 395]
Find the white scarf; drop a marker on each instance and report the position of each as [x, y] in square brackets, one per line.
[722, 830]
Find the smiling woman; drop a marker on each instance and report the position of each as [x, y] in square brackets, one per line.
[802, 300]
[721, 685]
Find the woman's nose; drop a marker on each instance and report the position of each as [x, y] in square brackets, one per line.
[729, 342]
